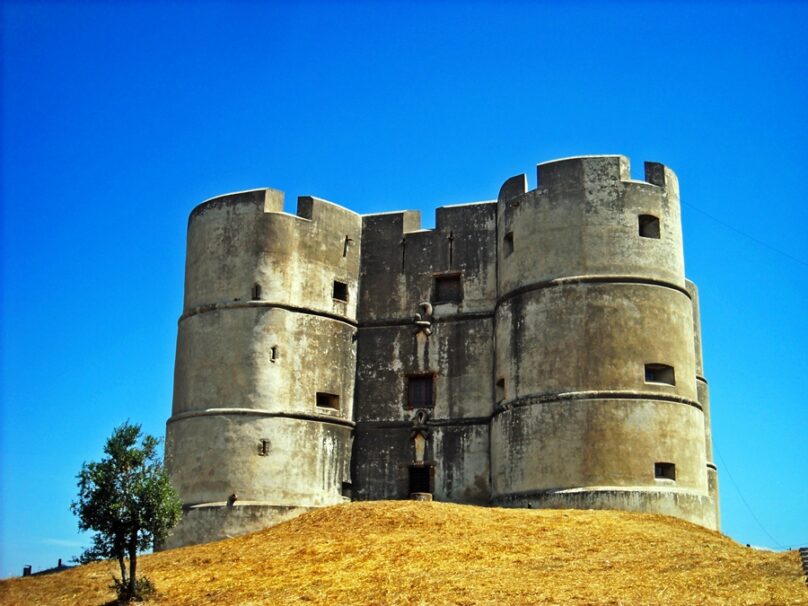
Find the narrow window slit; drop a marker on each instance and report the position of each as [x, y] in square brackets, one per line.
[660, 373]
[507, 243]
[256, 292]
[327, 400]
[403, 252]
[500, 390]
[665, 471]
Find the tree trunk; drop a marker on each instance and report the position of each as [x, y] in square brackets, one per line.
[122, 564]
[132, 570]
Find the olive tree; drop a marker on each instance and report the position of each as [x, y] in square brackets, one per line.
[128, 501]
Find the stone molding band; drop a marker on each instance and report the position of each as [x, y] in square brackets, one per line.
[385, 322]
[201, 309]
[214, 412]
[589, 280]
[548, 398]
[430, 423]
[530, 400]
[461, 317]
[617, 490]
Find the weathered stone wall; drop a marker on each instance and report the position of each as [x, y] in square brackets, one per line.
[455, 353]
[543, 350]
[264, 331]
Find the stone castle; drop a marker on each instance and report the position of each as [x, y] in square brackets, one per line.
[540, 350]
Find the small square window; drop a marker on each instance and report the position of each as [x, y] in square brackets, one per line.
[507, 243]
[327, 400]
[447, 289]
[660, 373]
[665, 471]
[649, 226]
[419, 391]
[340, 291]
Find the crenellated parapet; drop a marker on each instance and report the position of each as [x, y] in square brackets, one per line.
[243, 247]
[587, 218]
[453, 266]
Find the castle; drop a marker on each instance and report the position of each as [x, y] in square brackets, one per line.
[541, 350]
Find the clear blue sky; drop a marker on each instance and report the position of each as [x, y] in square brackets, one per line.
[118, 118]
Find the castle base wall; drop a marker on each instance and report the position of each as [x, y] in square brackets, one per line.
[218, 521]
[690, 506]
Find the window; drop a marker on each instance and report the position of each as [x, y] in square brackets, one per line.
[263, 448]
[447, 289]
[256, 292]
[327, 400]
[659, 373]
[340, 291]
[419, 391]
[649, 226]
[347, 489]
[420, 478]
[500, 390]
[665, 471]
[273, 353]
[507, 243]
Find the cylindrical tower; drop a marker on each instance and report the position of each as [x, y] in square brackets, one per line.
[595, 361]
[263, 389]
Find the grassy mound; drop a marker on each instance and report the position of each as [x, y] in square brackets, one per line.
[405, 552]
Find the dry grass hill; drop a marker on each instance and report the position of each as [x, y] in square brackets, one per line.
[407, 553]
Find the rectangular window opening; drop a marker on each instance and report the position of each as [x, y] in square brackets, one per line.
[263, 448]
[420, 478]
[273, 353]
[665, 471]
[327, 400]
[419, 391]
[660, 373]
[447, 289]
[340, 291]
[507, 243]
[256, 292]
[347, 489]
[649, 226]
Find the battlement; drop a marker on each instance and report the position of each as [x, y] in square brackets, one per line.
[267, 200]
[587, 172]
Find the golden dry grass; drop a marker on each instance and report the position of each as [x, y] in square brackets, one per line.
[408, 553]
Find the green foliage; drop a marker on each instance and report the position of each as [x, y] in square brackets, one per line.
[127, 499]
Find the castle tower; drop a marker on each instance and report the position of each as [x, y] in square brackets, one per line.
[263, 390]
[598, 399]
